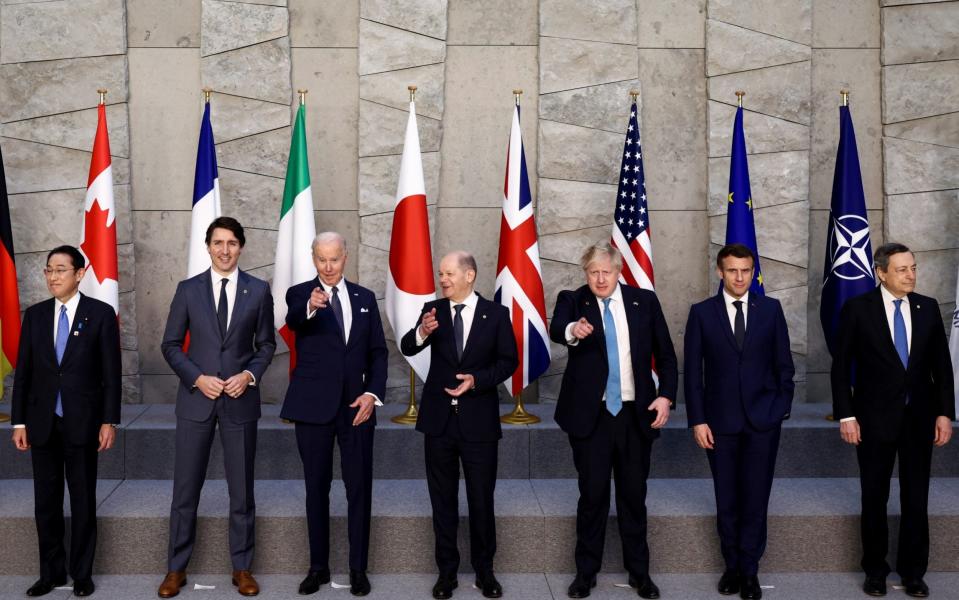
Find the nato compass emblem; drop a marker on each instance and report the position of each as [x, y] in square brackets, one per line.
[849, 248]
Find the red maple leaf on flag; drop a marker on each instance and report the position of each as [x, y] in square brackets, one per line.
[100, 243]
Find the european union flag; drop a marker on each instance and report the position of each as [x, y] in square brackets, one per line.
[848, 269]
[740, 227]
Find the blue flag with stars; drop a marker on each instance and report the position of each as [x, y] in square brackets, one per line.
[740, 227]
[848, 268]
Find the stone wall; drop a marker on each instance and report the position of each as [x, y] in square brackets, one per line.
[576, 63]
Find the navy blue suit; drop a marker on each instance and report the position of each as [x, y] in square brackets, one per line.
[743, 395]
[329, 375]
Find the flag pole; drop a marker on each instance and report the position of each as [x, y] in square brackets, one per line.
[103, 95]
[845, 102]
[302, 94]
[739, 97]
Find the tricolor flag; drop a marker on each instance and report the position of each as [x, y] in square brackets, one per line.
[98, 238]
[740, 226]
[9, 299]
[519, 278]
[206, 197]
[409, 279]
[293, 263]
[631, 217]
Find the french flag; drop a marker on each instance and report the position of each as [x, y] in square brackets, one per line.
[206, 197]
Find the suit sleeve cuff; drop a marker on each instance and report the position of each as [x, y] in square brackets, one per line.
[20, 426]
[252, 376]
[570, 338]
[376, 399]
[310, 313]
[419, 339]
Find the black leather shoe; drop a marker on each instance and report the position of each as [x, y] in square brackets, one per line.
[729, 583]
[359, 583]
[750, 588]
[444, 587]
[916, 588]
[644, 587]
[314, 579]
[874, 586]
[83, 587]
[581, 586]
[487, 584]
[42, 588]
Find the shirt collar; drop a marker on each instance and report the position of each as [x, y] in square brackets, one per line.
[729, 299]
[216, 277]
[339, 285]
[887, 296]
[470, 301]
[616, 296]
[71, 304]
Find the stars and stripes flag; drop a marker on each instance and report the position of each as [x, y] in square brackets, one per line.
[409, 276]
[740, 226]
[98, 237]
[293, 263]
[206, 197]
[519, 278]
[631, 217]
[9, 298]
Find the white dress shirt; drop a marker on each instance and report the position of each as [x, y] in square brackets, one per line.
[467, 313]
[731, 309]
[627, 386]
[232, 280]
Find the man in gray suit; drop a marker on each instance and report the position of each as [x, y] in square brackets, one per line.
[229, 317]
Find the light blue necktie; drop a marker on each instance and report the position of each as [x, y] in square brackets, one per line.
[63, 333]
[899, 337]
[614, 397]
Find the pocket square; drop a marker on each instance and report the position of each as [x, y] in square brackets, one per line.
[363, 310]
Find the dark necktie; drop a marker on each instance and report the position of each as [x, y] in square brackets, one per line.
[338, 312]
[740, 329]
[458, 330]
[222, 310]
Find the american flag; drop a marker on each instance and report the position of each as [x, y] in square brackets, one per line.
[631, 218]
[519, 279]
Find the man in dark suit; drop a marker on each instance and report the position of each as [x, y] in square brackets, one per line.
[892, 392]
[473, 350]
[66, 404]
[739, 389]
[340, 375]
[609, 406]
[229, 317]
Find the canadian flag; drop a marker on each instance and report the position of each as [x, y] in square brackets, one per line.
[98, 239]
[409, 279]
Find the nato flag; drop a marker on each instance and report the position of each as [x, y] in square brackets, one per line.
[848, 269]
[740, 227]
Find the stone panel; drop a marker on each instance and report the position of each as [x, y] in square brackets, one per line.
[265, 153]
[165, 113]
[379, 176]
[251, 198]
[390, 89]
[917, 167]
[383, 130]
[476, 125]
[578, 153]
[32, 167]
[230, 116]
[789, 20]
[779, 275]
[231, 25]
[845, 24]
[920, 90]
[51, 30]
[168, 24]
[920, 33]
[763, 133]
[327, 24]
[75, 130]
[31, 283]
[36, 89]
[857, 71]
[347, 223]
[568, 64]
[927, 221]
[387, 48]
[568, 246]
[938, 274]
[781, 91]
[493, 22]
[567, 205]
[608, 21]
[475, 230]
[781, 232]
[375, 231]
[674, 99]
[942, 130]
[730, 48]
[558, 276]
[793, 301]
[372, 270]
[777, 178]
[426, 17]
[261, 71]
[672, 23]
[603, 107]
[260, 248]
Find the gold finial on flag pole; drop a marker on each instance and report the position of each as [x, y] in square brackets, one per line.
[845, 97]
[412, 89]
[633, 94]
[739, 97]
[207, 92]
[516, 94]
[302, 94]
[103, 95]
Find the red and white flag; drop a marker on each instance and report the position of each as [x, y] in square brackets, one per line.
[98, 239]
[409, 278]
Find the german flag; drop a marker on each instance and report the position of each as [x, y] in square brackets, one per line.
[9, 300]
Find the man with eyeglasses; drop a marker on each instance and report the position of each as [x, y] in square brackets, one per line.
[66, 404]
[892, 393]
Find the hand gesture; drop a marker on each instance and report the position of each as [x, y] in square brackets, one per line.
[318, 298]
[468, 383]
[429, 324]
[365, 402]
[20, 440]
[582, 328]
[703, 436]
[210, 386]
[849, 430]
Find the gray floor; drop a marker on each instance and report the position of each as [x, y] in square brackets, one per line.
[784, 586]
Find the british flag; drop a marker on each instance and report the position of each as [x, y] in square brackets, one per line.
[519, 279]
[631, 218]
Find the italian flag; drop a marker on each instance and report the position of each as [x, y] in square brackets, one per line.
[297, 229]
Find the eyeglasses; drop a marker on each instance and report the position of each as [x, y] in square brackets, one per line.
[56, 273]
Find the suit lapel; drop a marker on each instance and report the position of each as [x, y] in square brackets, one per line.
[631, 308]
[48, 343]
[355, 310]
[206, 281]
[720, 303]
[480, 320]
[879, 316]
[239, 303]
[755, 314]
[81, 320]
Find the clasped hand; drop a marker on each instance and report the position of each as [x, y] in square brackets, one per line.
[212, 387]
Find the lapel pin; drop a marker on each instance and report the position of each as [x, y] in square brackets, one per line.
[484, 316]
[635, 303]
[244, 291]
[587, 303]
[76, 333]
[917, 307]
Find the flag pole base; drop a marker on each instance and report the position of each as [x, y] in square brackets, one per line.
[410, 414]
[830, 417]
[4, 417]
[519, 416]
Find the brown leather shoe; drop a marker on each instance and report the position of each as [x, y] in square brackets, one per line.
[245, 584]
[172, 583]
